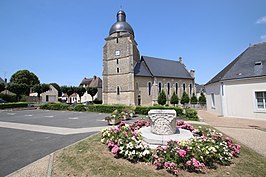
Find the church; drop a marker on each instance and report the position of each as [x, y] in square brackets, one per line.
[131, 79]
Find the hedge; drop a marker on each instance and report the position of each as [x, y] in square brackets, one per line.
[8, 98]
[145, 109]
[107, 108]
[55, 106]
[13, 105]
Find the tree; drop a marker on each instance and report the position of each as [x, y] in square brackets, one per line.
[174, 99]
[2, 87]
[92, 91]
[202, 98]
[185, 98]
[19, 89]
[64, 89]
[194, 99]
[40, 88]
[162, 98]
[70, 91]
[24, 77]
[80, 91]
[58, 88]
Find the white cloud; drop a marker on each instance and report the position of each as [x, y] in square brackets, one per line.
[261, 20]
[263, 37]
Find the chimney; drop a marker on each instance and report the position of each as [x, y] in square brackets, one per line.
[180, 60]
[192, 73]
[94, 77]
[5, 80]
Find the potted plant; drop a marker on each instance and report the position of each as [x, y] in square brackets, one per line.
[131, 113]
[124, 115]
[114, 118]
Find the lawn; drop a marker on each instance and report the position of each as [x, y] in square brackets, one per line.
[91, 158]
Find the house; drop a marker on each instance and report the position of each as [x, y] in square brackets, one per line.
[200, 89]
[239, 90]
[50, 95]
[94, 82]
[133, 80]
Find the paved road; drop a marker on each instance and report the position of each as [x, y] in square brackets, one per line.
[26, 136]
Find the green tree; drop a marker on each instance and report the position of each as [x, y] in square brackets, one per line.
[162, 98]
[80, 91]
[174, 99]
[40, 88]
[70, 91]
[194, 99]
[2, 87]
[58, 88]
[92, 91]
[64, 89]
[202, 98]
[24, 77]
[184, 99]
[19, 89]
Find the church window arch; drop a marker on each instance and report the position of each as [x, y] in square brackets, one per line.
[149, 88]
[118, 90]
[184, 87]
[168, 88]
[176, 88]
[160, 87]
[190, 89]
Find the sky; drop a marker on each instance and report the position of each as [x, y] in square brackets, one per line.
[62, 40]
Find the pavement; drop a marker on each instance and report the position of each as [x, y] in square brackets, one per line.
[250, 132]
[244, 131]
[29, 135]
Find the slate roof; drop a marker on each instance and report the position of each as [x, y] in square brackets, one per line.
[94, 82]
[157, 67]
[251, 63]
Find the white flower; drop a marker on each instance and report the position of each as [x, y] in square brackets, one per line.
[146, 152]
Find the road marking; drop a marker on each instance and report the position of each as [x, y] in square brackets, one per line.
[11, 114]
[48, 116]
[28, 115]
[49, 129]
[103, 120]
[73, 118]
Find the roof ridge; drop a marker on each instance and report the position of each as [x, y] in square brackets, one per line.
[161, 58]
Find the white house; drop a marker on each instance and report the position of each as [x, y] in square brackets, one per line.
[94, 82]
[239, 90]
[50, 95]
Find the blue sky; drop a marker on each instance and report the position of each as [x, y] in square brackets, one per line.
[61, 40]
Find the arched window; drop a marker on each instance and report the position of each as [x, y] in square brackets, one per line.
[176, 88]
[149, 88]
[168, 88]
[160, 87]
[117, 90]
[184, 87]
[190, 89]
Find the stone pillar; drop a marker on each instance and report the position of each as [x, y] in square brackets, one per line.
[163, 121]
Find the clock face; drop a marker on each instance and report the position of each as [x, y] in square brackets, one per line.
[117, 52]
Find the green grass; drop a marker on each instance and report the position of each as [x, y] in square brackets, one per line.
[91, 158]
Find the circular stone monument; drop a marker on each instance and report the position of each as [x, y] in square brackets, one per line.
[163, 128]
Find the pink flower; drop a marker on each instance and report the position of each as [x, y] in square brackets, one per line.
[115, 149]
[155, 156]
[176, 172]
[166, 164]
[188, 162]
[182, 153]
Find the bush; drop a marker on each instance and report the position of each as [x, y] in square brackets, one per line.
[80, 107]
[55, 106]
[13, 105]
[191, 114]
[145, 109]
[96, 101]
[174, 99]
[8, 98]
[106, 108]
[162, 98]
[184, 99]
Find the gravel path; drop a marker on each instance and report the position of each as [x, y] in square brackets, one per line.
[246, 131]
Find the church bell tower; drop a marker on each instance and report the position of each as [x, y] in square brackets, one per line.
[120, 55]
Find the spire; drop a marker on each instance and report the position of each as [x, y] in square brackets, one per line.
[121, 16]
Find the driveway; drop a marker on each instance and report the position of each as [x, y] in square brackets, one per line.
[29, 135]
[250, 132]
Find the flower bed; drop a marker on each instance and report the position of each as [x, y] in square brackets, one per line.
[208, 149]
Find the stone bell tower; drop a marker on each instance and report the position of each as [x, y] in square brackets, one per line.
[120, 55]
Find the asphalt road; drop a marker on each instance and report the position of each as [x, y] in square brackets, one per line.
[24, 140]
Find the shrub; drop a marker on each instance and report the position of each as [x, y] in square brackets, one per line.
[185, 98]
[80, 107]
[55, 106]
[194, 99]
[13, 105]
[202, 98]
[8, 98]
[145, 109]
[191, 114]
[106, 108]
[174, 99]
[162, 98]
[96, 101]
